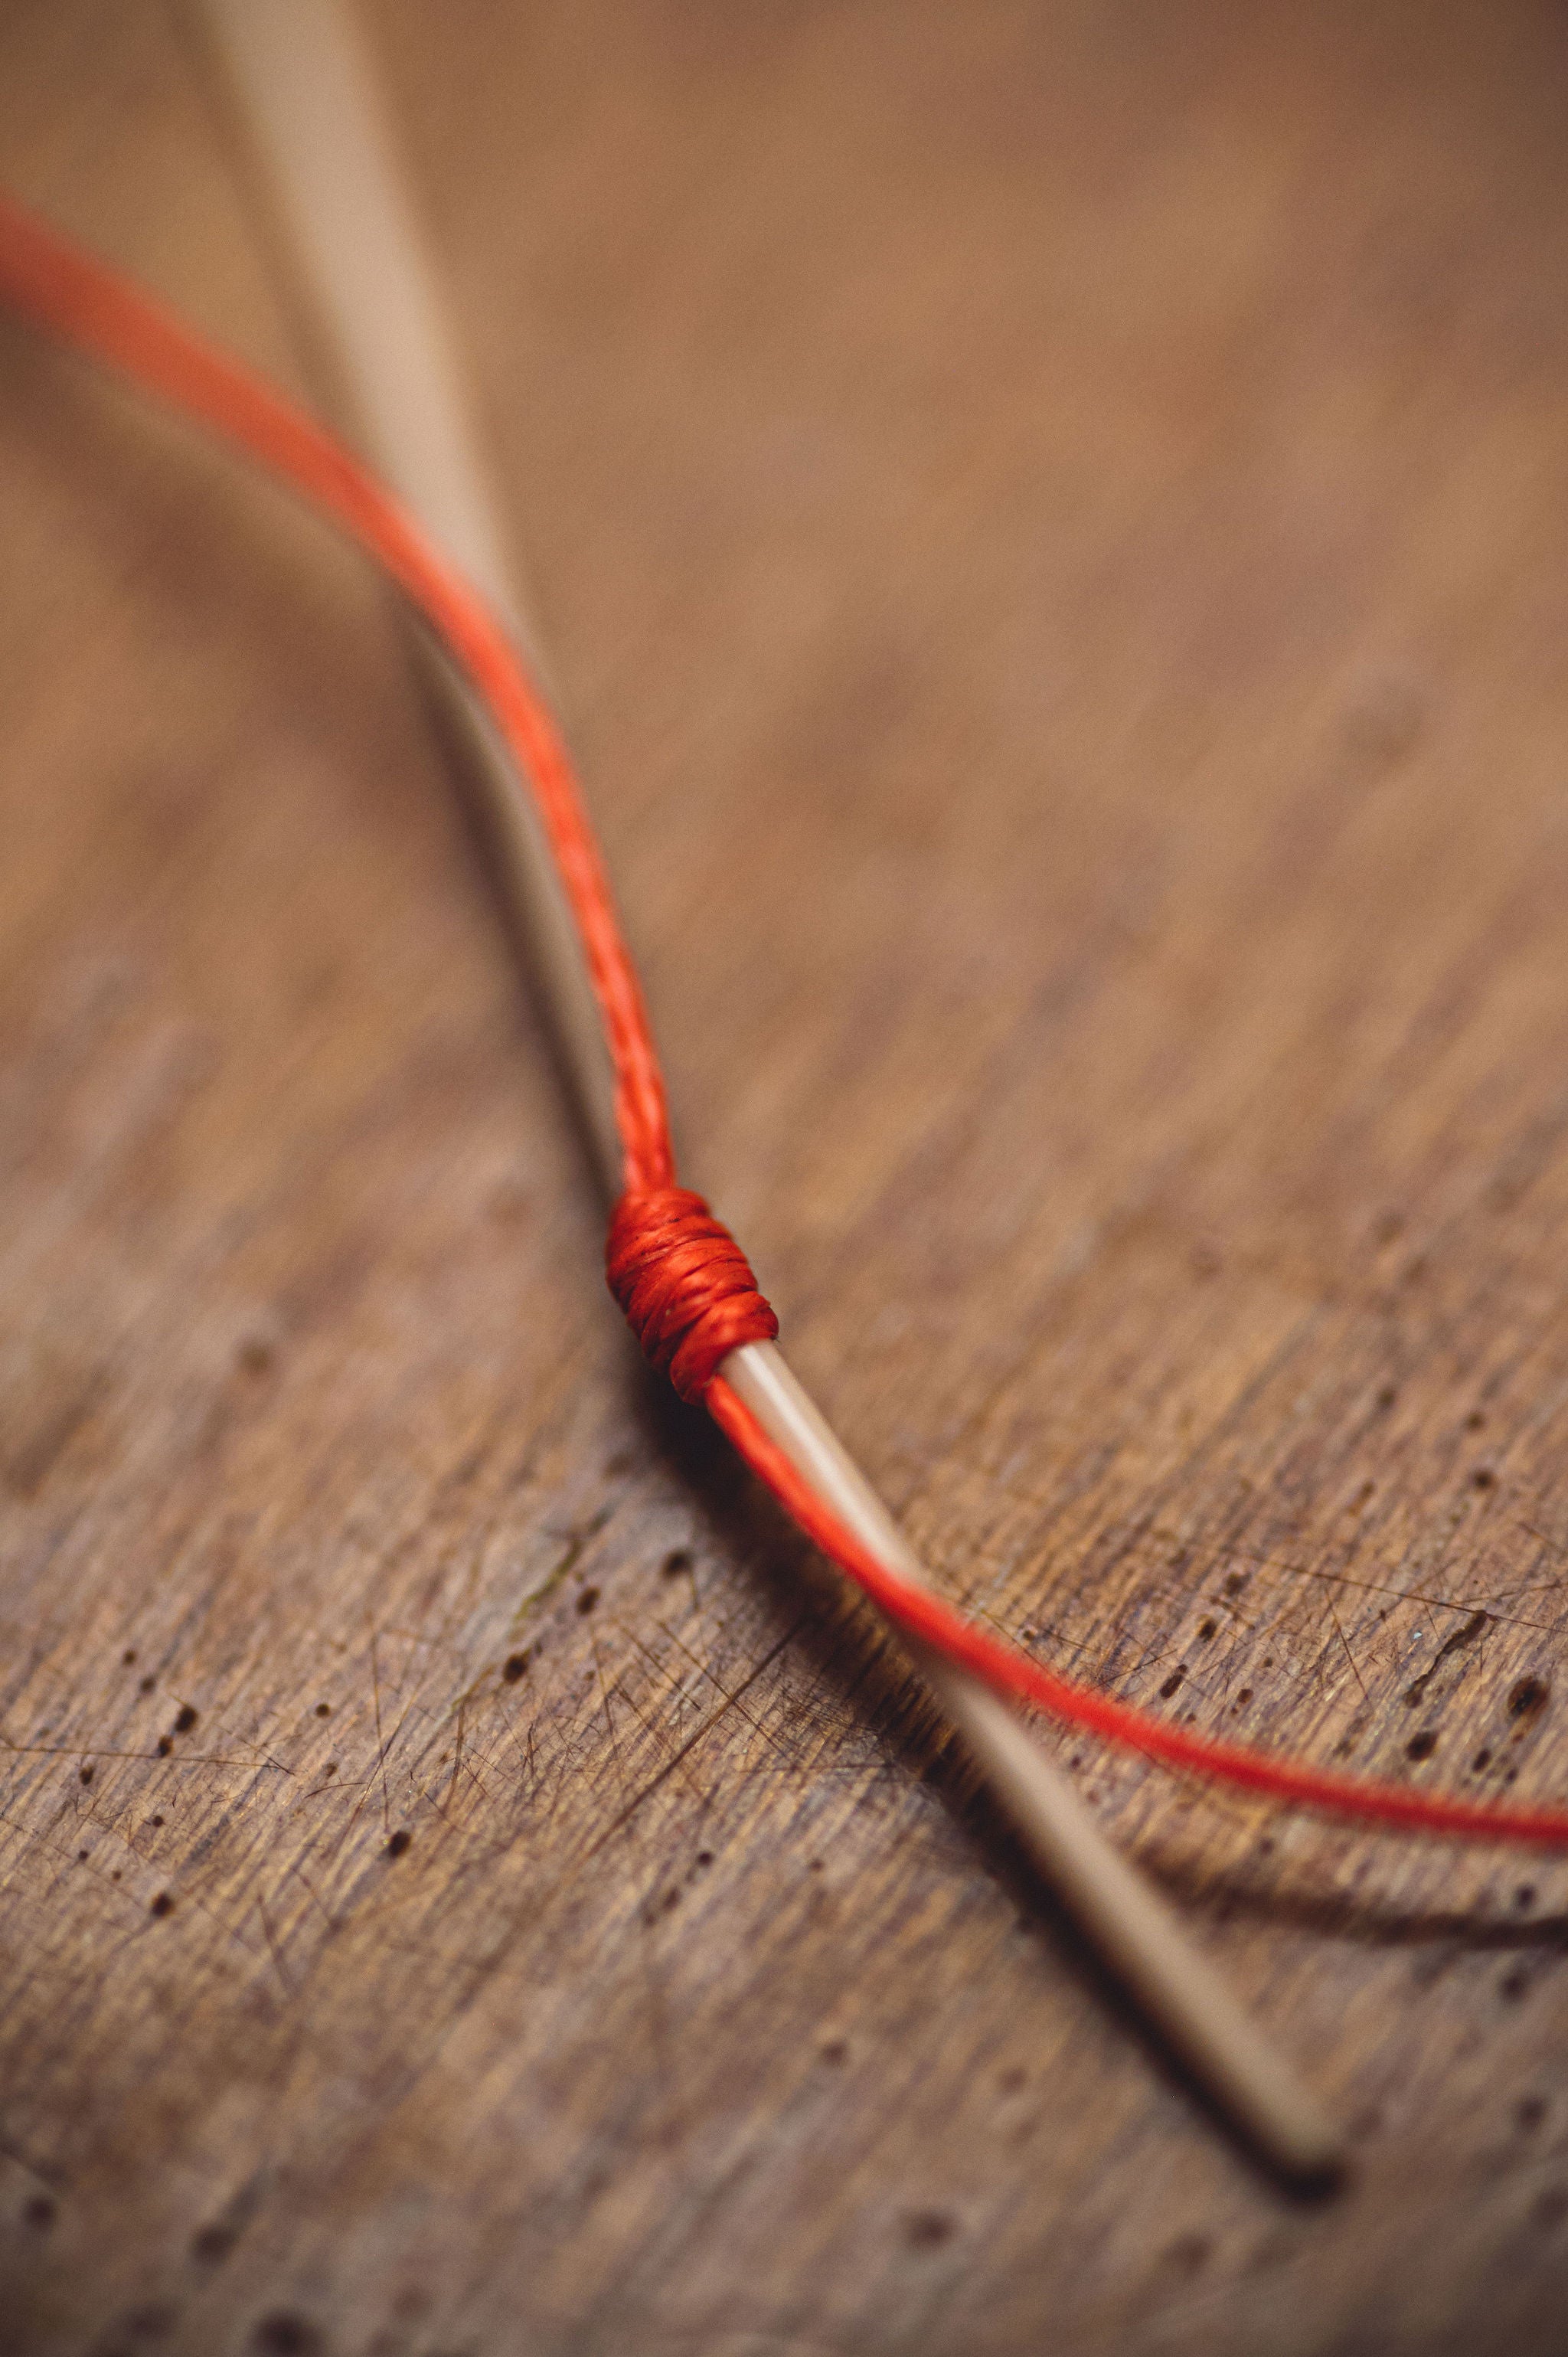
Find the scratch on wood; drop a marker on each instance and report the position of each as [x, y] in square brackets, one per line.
[661, 1774]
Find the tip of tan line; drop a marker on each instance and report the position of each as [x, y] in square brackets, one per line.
[1299, 2143]
[1319, 2171]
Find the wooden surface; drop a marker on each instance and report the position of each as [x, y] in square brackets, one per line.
[1051, 525]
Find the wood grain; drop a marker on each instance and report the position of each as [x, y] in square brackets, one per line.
[1049, 522]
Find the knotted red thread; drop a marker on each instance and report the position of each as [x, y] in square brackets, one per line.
[685, 1284]
[670, 1255]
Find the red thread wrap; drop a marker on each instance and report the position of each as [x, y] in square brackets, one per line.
[685, 1284]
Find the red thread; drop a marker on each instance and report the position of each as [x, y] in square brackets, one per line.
[685, 1286]
[933, 1622]
[58, 285]
[664, 1259]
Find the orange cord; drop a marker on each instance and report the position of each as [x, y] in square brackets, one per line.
[680, 1276]
[685, 1286]
[1015, 1674]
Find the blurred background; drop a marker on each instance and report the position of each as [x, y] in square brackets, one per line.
[1048, 526]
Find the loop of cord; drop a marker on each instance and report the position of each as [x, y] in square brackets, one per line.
[685, 1284]
[58, 286]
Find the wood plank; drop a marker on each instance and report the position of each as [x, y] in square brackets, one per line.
[1049, 525]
